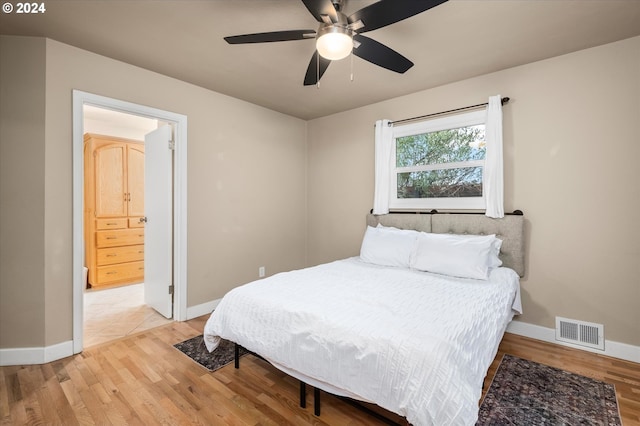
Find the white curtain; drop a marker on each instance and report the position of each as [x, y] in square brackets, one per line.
[383, 146]
[493, 177]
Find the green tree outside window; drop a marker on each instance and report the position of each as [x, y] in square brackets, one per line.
[437, 156]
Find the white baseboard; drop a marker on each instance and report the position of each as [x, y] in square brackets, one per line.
[202, 309]
[611, 348]
[29, 356]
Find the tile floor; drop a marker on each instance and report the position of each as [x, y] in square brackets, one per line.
[117, 312]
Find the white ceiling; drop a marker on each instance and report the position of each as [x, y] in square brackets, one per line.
[115, 123]
[456, 40]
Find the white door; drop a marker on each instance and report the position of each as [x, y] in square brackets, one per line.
[158, 200]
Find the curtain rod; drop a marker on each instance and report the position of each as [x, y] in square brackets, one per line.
[503, 101]
[434, 211]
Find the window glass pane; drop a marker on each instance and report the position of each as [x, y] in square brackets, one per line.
[447, 183]
[444, 146]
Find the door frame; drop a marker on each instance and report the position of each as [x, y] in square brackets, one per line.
[179, 121]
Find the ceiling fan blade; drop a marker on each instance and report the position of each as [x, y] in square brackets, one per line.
[387, 12]
[314, 74]
[320, 8]
[379, 54]
[271, 37]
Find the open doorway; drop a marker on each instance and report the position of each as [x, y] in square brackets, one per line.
[172, 289]
[114, 192]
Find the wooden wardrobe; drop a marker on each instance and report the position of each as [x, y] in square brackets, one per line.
[113, 209]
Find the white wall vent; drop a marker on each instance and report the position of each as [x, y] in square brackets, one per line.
[580, 333]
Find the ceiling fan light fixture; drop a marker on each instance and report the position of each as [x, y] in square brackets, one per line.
[334, 43]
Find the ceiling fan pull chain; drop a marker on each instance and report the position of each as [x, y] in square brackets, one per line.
[351, 66]
[317, 69]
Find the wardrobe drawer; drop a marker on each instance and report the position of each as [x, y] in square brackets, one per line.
[111, 255]
[119, 237]
[116, 223]
[121, 272]
[134, 222]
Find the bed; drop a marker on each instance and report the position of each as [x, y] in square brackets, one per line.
[400, 326]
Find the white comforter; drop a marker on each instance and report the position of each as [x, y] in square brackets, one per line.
[415, 343]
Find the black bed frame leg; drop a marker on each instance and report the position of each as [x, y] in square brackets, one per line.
[303, 394]
[237, 355]
[316, 401]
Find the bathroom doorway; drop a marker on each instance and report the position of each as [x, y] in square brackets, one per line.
[114, 298]
[172, 287]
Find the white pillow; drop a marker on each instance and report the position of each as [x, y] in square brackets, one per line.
[494, 258]
[388, 246]
[466, 256]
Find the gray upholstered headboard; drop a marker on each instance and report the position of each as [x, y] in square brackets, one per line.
[510, 229]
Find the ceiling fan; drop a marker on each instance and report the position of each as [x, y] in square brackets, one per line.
[339, 35]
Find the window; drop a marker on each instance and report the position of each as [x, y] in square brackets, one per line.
[438, 164]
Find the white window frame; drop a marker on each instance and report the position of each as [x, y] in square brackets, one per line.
[473, 118]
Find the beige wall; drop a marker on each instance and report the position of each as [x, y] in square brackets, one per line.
[571, 153]
[263, 187]
[22, 174]
[246, 184]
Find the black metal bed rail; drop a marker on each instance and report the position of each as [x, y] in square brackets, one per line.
[316, 393]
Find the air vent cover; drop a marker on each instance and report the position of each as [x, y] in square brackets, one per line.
[580, 333]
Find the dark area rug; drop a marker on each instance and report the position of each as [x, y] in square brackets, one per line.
[195, 349]
[527, 393]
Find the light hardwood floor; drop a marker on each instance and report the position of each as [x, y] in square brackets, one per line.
[142, 380]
